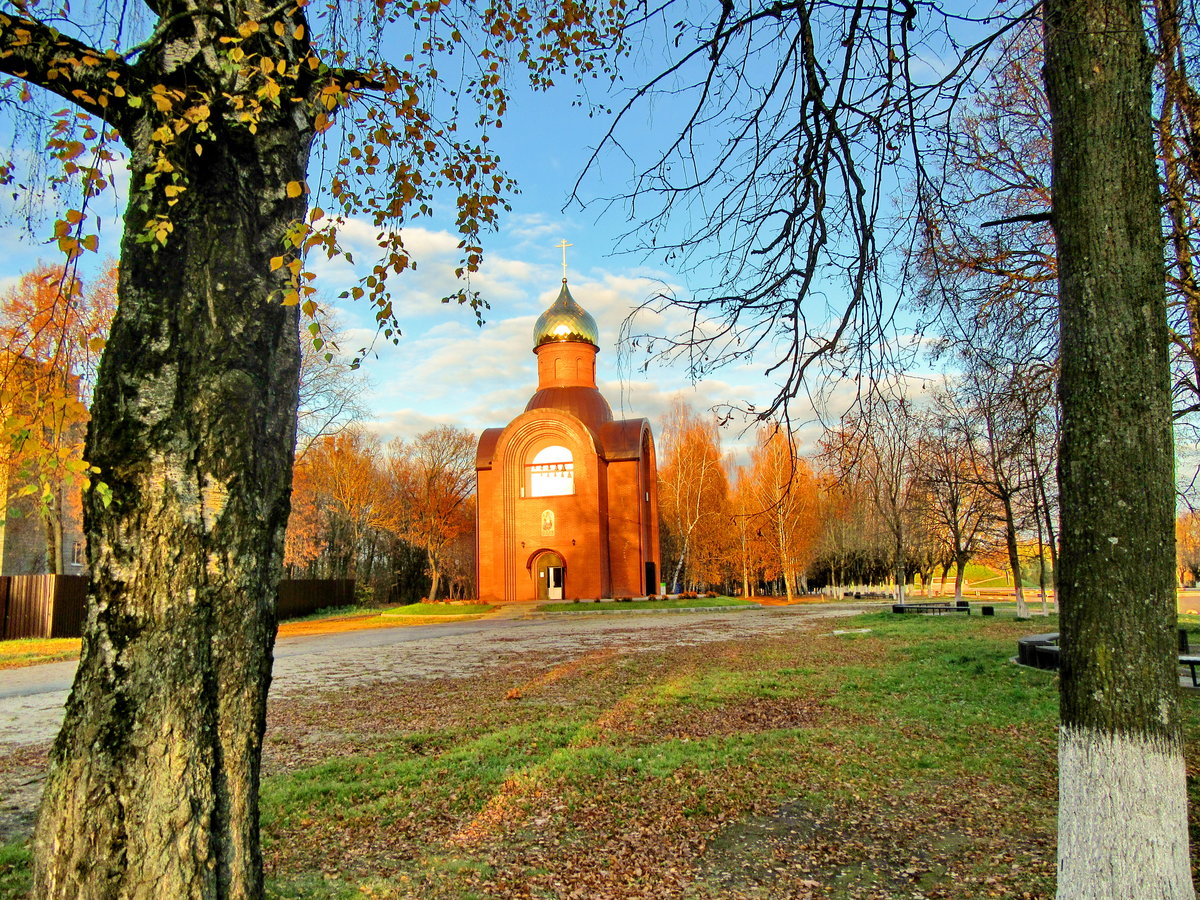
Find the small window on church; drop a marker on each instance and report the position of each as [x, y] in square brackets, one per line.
[552, 473]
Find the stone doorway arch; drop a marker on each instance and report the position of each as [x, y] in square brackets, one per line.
[549, 576]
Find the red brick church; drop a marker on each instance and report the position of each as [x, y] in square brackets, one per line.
[568, 496]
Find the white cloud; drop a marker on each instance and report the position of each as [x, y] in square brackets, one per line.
[535, 227]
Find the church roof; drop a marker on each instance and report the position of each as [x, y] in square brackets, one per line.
[565, 320]
[585, 403]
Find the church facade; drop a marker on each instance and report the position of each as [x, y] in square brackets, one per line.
[567, 495]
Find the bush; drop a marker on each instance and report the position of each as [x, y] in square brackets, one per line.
[624, 599]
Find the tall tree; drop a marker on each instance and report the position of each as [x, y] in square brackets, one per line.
[749, 548]
[792, 117]
[958, 505]
[431, 481]
[194, 415]
[345, 474]
[879, 449]
[1122, 806]
[692, 485]
[1000, 428]
[330, 388]
[784, 493]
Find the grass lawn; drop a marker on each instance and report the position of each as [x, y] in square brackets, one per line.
[439, 609]
[335, 612]
[28, 651]
[593, 605]
[912, 760]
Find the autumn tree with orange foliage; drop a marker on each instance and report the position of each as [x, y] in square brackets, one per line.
[52, 329]
[342, 489]
[431, 480]
[1187, 546]
[749, 549]
[306, 528]
[784, 493]
[458, 560]
[692, 492]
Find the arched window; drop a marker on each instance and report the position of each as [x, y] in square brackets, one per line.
[551, 472]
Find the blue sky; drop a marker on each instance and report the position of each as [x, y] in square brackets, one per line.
[449, 370]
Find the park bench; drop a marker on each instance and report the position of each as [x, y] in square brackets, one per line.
[1191, 662]
[1038, 650]
[1041, 651]
[930, 609]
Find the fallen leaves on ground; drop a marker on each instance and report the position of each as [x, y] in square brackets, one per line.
[725, 770]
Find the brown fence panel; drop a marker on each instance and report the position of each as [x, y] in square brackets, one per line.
[30, 606]
[70, 604]
[42, 606]
[301, 596]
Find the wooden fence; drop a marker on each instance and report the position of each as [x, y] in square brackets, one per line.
[54, 606]
[301, 596]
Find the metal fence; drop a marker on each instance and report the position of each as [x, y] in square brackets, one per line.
[54, 606]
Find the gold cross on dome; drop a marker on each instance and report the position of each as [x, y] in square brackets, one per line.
[564, 245]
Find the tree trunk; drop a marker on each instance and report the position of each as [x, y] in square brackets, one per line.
[54, 535]
[675, 585]
[960, 574]
[434, 576]
[1051, 540]
[1014, 556]
[1122, 824]
[153, 783]
[1037, 516]
[4, 479]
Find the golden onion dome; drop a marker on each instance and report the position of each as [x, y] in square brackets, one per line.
[565, 320]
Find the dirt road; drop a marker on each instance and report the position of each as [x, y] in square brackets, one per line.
[32, 698]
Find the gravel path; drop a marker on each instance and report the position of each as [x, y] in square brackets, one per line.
[32, 698]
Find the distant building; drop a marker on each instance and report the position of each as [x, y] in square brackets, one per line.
[568, 496]
[26, 537]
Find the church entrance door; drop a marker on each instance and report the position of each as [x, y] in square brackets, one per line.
[554, 583]
[551, 576]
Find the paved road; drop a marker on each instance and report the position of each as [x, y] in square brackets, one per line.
[32, 698]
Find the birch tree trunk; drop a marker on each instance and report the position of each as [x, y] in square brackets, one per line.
[1122, 829]
[153, 784]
